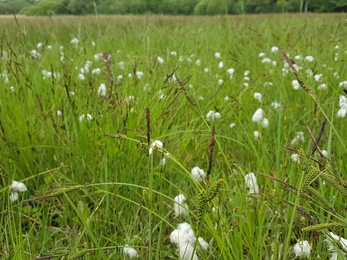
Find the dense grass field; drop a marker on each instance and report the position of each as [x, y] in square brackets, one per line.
[82, 100]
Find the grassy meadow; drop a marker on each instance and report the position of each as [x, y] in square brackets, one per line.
[82, 99]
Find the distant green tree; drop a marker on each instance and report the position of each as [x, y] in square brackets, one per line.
[284, 5]
[136, 6]
[200, 8]
[216, 7]
[81, 7]
[260, 6]
[239, 7]
[112, 7]
[178, 6]
[339, 3]
[48, 7]
[63, 7]
[13, 7]
[294, 5]
[328, 6]
[153, 6]
[207, 7]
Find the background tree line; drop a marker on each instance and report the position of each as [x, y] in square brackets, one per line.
[172, 7]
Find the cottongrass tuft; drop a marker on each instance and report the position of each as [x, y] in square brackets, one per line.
[295, 84]
[181, 207]
[198, 174]
[251, 183]
[102, 90]
[309, 58]
[343, 107]
[274, 49]
[232, 125]
[16, 187]
[163, 161]
[35, 54]
[276, 105]
[183, 234]
[318, 77]
[343, 83]
[156, 143]
[332, 248]
[203, 244]
[258, 117]
[266, 61]
[74, 41]
[265, 123]
[325, 153]
[256, 134]
[160, 60]
[298, 138]
[302, 249]
[87, 117]
[295, 158]
[231, 71]
[139, 74]
[130, 252]
[258, 96]
[96, 71]
[185, 239]
[211, 115]
[322, 86]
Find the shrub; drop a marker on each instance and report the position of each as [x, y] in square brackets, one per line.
[43, 8]
[13, 7]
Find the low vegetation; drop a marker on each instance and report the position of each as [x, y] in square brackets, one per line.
[173, 137]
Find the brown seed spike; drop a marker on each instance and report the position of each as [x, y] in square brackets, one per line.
[290, 64]
[148, 120]
[211, 146]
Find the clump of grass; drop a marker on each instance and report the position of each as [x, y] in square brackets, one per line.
[92, 185]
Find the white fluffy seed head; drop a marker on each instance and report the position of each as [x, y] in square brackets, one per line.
[230, 71]
[256, 135]
[203, 244]
[258, 115]
[211, 115]
[18, 186]
[295, 158]
[181, 206]
[295, 84]
[156, 143]
[325, 153]
[265, 123]
[130, 252]
[302, 249]
[309, 58]
[102, 90]
[342, 241]
[198, 174]
[187, 252]
[258, 96]
[251, 183]
[274, 49]
[14, 196]
[184, 234]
